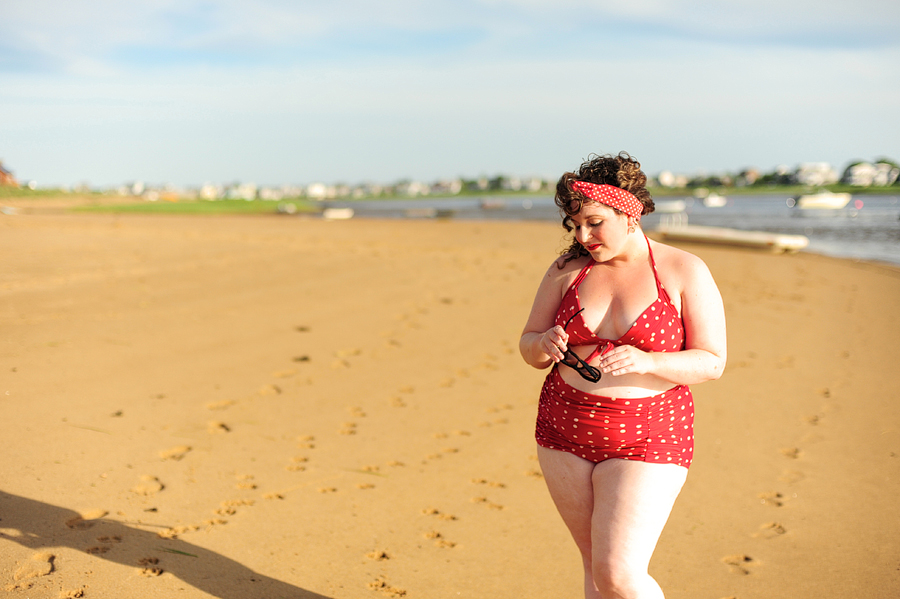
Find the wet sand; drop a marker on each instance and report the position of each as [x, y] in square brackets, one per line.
[254, 406]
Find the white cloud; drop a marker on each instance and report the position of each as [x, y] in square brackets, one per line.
[356, 90]
[66, 34]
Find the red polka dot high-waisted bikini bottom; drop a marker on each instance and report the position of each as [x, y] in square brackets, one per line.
[657, 429]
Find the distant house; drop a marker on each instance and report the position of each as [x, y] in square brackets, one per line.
[6, 178]
[865, 174]
[816, 174]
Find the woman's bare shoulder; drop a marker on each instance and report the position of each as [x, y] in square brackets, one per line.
[566, 265]
[679, 269]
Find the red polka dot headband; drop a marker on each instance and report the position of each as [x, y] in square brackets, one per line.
[612, 196]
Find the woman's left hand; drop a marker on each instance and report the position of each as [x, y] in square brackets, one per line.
[626, 359]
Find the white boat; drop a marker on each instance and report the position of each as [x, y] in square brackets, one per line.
[670, 206]
[824, 200]
[714, 200]
[337, 213]
[776, 242]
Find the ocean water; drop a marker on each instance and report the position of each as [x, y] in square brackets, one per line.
[868, 228]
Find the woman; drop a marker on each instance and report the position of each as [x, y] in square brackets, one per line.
[626, 324]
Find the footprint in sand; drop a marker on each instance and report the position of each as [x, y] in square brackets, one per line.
[108, 539]
[490, 362]
[229, 507]
[149, 567]
[297, 464]
[86, 520]
[73, 594]
[772, 498]
[791, 452]
[356, 412]
[220, 405]
[210, 522]
[270, 390]
[40, 564]
[430, 511]
[381, 584]
[439, 540]
[215, 427]
[487, 502]
[306, 442]
[342, 357]
[770, 530]
[392, 343]
[740, 563]
[149, 485]
[176, 531]
[348, 428]
[175, 453]
[245, 482]
[484, 481]
[378, 556]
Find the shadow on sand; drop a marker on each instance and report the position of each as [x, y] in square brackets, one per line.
[41, 526]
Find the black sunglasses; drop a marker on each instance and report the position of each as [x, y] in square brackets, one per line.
[572, 360]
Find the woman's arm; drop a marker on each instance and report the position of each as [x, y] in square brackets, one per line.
[705, 352]
[542, 343]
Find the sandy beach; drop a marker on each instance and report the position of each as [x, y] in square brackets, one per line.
[247, 407]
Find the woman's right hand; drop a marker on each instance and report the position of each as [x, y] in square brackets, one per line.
[554, 342]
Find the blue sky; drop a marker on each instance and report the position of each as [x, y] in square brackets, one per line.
[278, 92]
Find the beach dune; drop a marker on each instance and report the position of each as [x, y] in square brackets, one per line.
[262, 406]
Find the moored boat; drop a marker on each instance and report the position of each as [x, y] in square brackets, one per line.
[776, 242]
[824, 200]
[714, 200]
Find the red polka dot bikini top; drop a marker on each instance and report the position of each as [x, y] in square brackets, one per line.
[659, 328]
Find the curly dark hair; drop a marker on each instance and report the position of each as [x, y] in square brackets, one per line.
[622, 170]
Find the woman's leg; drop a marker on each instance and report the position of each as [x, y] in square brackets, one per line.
[632, 502]
[568, 479]
[616, 511]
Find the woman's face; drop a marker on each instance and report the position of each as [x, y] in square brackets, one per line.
[600, 230]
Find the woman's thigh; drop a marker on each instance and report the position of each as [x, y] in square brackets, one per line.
[568, 479]
[632, 501]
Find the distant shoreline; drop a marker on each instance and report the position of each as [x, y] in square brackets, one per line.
[41, 200]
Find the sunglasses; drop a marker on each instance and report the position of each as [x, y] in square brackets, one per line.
[572, 360]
